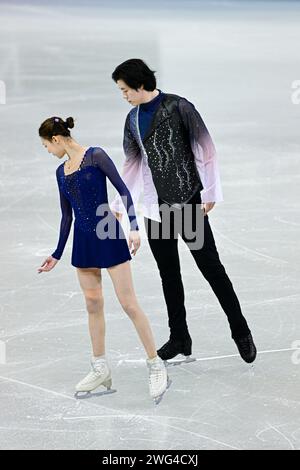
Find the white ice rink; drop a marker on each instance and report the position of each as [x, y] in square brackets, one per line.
[236, 61]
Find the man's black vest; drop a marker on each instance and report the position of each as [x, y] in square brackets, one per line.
[170, 157]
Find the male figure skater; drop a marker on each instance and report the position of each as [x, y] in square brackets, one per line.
[170, 154]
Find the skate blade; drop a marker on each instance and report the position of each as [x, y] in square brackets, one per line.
[159, 399]
[91, 394]
[179, 359]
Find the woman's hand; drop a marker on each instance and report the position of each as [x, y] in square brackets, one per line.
[134, 240]
[207, 206]
[48, 264]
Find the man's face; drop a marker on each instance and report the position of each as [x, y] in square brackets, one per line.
[130, 94]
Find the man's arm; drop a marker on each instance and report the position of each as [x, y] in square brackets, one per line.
[131, 171]
[204, 152]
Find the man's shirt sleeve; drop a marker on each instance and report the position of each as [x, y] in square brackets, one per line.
[132, 169]
[204, 152]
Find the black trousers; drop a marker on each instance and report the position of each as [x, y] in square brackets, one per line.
[165, 252]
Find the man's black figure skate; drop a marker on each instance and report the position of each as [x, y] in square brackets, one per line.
[173, 348]
[246, 348]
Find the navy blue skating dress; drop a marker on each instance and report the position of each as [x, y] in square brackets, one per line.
[98, 238]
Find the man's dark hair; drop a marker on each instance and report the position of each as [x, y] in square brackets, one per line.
[135, 73]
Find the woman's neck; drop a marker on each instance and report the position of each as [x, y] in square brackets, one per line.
[74, 151]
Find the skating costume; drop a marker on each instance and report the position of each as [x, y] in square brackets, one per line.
[168, 151]
[171, 156]
[85, 192]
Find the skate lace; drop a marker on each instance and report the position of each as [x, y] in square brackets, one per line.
[245, 344]
[95, 371]
[155, 374]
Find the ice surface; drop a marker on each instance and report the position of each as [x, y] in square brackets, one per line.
[236, 63]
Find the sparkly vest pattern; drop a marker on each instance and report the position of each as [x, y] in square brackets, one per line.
[167, 150]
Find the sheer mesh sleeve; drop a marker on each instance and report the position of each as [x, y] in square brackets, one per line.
[132, 169]
[204, 152]
[66, 222]
[104, 162]
[130, 145]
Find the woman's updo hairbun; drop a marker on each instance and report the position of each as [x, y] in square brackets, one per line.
[56, 126]
[69, 123]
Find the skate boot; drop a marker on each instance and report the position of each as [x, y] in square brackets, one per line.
[246, 348]
[175, 347]
[159, 381]
[100, 374]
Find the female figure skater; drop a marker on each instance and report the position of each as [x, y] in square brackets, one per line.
[82, 187]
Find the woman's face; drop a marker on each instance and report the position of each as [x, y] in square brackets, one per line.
[54, 146]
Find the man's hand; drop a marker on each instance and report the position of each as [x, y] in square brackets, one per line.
[134, 240]
[207, 206]
[48, 264]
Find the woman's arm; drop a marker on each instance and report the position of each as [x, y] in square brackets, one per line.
[104, 162]
[66, 222]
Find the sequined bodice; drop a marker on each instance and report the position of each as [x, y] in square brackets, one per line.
[85, 192]
[86, 189]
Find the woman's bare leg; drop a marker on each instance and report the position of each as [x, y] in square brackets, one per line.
[123, 285]
[91, 284]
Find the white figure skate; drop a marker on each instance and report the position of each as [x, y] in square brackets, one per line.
[100, 374]
[159, 381]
